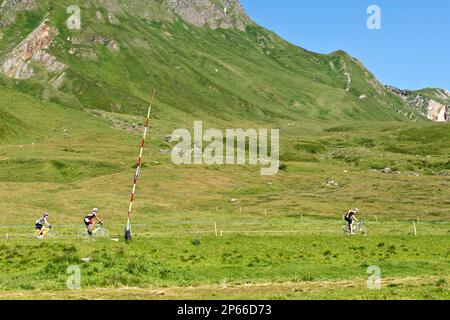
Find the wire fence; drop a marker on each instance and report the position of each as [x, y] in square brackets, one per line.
[220, 228]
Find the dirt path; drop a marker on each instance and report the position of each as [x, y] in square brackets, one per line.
[286, 290]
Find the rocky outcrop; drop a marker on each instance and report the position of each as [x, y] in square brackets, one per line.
[439, 95]
[225, 14]
[33, 49]
[111, 44]
[17, 4]
[430, 108]
[443, 93]
[8, 9]
[438, 111]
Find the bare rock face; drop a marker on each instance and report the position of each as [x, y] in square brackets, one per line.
[225, 14]
[32, 49]
[438, 111]
[430, 108]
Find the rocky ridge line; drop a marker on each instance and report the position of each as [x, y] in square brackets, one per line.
[225, 15]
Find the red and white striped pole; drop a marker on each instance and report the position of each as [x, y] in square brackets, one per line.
[138, 168]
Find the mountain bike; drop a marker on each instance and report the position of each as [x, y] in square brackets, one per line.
[97, 232]
[47, 232]
[357, 228]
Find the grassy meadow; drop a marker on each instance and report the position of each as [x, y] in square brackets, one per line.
[281, 239]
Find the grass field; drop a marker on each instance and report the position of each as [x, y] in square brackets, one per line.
[305, 260]
[67, 149]
[266, 250]
[281, 239]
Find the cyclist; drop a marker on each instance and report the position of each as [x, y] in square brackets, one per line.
[350, 217]
[91, 219]
[40, 223]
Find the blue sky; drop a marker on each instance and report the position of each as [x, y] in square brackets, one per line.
[411, 51]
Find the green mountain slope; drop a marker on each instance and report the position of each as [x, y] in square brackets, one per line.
[439, 95]
[232, 70]
[62, 91]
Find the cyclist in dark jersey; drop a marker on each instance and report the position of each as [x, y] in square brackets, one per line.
[91, 219]
[350, 217]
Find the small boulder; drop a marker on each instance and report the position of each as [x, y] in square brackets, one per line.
[331, 183]
[113, 45]
[99, 16]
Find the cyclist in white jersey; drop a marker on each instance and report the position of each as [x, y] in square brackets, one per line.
[41, 222]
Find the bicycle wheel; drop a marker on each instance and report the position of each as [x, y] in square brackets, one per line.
[52, 233]
[32, 234]
[83, 233]
[345, 230]
[101, 233]
[363, 231]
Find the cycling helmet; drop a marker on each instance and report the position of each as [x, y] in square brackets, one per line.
[95, 210]
[356, 210]
[46, 214]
